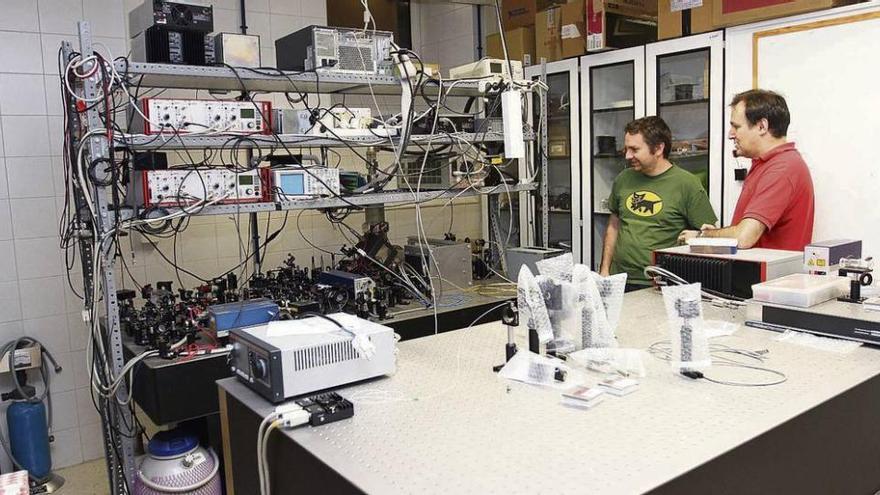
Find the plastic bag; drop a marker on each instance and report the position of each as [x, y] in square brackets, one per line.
[684, 309]
[534, 369]
[531, 305]
[816, 342]
[611, 360]
[561, 299]
[569, 306]
[559, 268]
[611, 289]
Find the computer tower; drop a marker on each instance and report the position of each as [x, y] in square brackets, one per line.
[332, 49]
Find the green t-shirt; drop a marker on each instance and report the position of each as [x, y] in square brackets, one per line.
[652, 212]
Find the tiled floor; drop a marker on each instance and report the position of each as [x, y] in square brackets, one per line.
[89, 478]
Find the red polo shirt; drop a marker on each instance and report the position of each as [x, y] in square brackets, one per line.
[778, 192]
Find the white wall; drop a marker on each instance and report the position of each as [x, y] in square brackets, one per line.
[34, 297]
[829, 82]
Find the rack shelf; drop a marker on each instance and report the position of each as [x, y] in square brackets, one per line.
[684, 102]
[120, 448]
[227, 79]
[179, 142]
[614, 109]
[363, 200]
[688, 154]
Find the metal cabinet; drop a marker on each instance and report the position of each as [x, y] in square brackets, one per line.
[679, 80]
[612, 94]
[563, 157]
[684, 86]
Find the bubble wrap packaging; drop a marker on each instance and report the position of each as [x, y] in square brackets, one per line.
[611, 289]
[582, 308]
[559, 268]
[684, 309]
[611, 360]
[534, 369]
[531, 305]
[561, 300]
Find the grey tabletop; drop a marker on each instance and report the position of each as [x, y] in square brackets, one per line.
[444, 422]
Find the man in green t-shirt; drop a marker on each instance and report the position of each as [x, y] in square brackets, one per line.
[651, 202]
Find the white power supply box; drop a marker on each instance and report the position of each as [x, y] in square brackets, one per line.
[283, 359]
[178, 187]
[178, 116]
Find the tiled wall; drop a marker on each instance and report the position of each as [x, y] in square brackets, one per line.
[34, 297]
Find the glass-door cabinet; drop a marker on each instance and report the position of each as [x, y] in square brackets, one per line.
[684, 87]
[612, 88]
[562, 158]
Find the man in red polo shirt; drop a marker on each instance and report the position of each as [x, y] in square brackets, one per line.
[775, 207]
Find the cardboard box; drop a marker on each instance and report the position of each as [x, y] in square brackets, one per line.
[518, 13]
[631, 8]
[560, 32]
[732, 12]
[574, 29]
[546, 4]
[620, 24]
[520, 45]
[669, 23]
[548, 42]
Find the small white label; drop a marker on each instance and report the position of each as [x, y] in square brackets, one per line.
[22, 357]
[551, 18]
[679, 5]
[595, 42]
[570, 31]
[527, 59]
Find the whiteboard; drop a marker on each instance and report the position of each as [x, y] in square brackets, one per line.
[829, 75]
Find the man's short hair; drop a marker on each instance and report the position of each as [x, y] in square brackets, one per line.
[763, 104]
[654, 131]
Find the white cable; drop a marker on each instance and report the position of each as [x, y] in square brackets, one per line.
[284, 416]
[261, 465]
[672, 277]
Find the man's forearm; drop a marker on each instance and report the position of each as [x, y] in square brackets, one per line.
[609, 244]
[731, 231]
[746, 232]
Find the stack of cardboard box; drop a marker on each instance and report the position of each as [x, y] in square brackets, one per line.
[518, 17]
[707, 15]
[620, 23]
[558, 29]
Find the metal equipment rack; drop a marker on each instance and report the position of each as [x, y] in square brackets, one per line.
[120, 449]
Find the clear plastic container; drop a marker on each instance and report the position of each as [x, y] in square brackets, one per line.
[800, 289]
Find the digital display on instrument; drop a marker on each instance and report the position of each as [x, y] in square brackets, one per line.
[245, 180]
[292, 184]
[247, 113]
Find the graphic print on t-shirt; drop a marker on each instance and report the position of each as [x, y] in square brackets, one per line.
[644, 203]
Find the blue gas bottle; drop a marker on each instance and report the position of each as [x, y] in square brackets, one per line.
[29, 437]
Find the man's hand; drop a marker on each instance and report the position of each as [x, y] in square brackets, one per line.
[687, 234]
[708, 226]
[604, 272]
